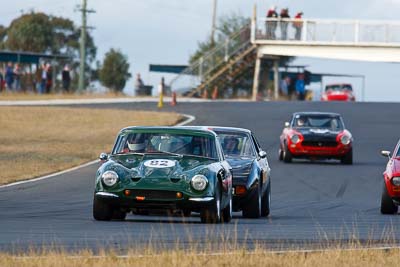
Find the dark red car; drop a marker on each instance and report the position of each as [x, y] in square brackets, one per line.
[316, 135]
[391, 182]
[338, 92]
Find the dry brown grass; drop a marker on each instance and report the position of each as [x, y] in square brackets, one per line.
[32, 96]
[39, 140]
[343, 258]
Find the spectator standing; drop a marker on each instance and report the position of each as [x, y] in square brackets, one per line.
[138, 85]
[300, 87]
[298, 25]
[9, 76]
[284, 23]
[49, 78]
[66, 78]
[285, 83]
[1, 81]
[43, 79]
[271, 23]
[17, 78]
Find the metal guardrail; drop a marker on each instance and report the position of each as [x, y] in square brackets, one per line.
[198, 71]
[354, 32]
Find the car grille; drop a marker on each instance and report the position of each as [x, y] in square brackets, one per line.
[154, 194]
[320, 143]
[241, 174]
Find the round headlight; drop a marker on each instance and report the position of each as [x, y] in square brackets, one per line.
[345, 139]
[295, 138]
[396, 181]
[199, 182]
[110, 178]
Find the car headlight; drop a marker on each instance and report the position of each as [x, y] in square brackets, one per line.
[295, 138]
[396, 181]
[345, 139]
[110, 178]
[199, 182]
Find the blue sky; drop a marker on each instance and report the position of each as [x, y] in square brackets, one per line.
[167, 32]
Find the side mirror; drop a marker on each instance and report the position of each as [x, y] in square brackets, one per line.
[103, 156]
[262, 154]
[385, 153]
[287, 124]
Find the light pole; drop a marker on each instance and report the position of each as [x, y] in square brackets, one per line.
[214, 22]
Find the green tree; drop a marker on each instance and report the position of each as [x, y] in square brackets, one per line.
[114, 72]
[42, 33]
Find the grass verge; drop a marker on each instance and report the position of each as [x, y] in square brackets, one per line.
[31, 96]
[365, 258]
[39, 140]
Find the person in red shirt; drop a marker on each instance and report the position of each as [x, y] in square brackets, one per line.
[298, 25]
[271, 23]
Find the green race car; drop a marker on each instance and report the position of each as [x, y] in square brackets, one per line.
[164, 168]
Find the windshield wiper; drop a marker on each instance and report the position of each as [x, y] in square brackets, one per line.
[198, 156]
[164, 152]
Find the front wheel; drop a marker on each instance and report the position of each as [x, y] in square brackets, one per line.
[348, 158]
[266, 202]
[212, 214]
[387, 205]
[287, 156]
[227, 212]
[101, 210]
[253, 208]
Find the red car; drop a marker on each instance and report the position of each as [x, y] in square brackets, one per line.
[316, 135]
[391, 182]
[338, 92]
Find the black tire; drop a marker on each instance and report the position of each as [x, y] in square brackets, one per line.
[227, 212]
[266, 202]
[287, 156]
[186, 213]
[212, 214]
[387, 205]
[119, 215]
[280, 153]
[253, 207]
[102, 211]
[348, 158]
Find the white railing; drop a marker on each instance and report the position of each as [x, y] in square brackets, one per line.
[356, 32]
[192, 76]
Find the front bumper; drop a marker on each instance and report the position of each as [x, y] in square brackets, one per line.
[136, 202]
[338, 151]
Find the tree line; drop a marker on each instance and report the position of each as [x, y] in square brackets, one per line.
[42, 33]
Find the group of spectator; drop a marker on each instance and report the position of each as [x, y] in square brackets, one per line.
[289, 87]
[283, 20]
[41, 80]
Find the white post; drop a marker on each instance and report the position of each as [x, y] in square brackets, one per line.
[276, 79]
[201, 60]
[363, 89]
[226, 50]
[256, 78]
[253, 30]
[357, 31]
[305, 30]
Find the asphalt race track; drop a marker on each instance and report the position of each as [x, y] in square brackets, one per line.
[312, 202]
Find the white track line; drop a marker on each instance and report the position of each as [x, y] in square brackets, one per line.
[189, 119]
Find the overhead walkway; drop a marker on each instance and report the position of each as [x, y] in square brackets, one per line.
[376, 41]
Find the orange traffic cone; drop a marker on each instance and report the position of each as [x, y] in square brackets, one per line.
[173, 100]
[205, 94]
[215, 93]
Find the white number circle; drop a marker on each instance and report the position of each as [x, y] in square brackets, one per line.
[159, 163]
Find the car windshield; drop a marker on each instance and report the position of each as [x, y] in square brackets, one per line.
[339, 87]
[332, 123]
[183, 144]
[236, 144]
